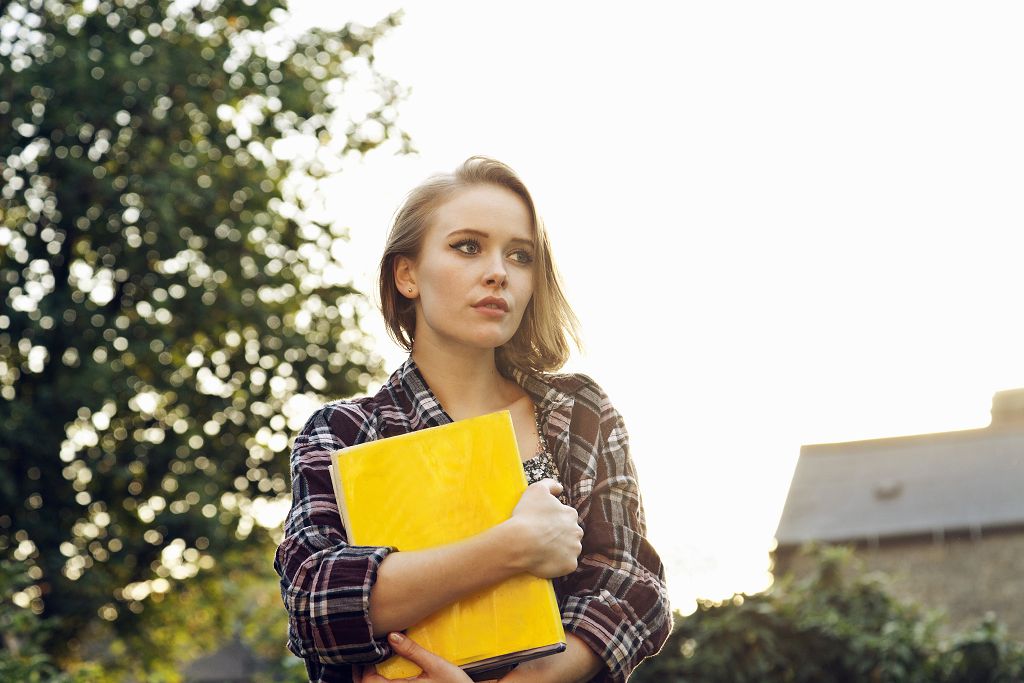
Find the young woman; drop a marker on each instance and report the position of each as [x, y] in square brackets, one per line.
[468, 286]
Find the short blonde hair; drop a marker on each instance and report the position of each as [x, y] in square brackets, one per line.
[541, 344]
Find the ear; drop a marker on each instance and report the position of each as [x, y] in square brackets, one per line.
[405, 277]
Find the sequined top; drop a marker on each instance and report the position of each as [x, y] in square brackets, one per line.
[542, 466]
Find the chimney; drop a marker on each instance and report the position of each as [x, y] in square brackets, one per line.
[1008, 408]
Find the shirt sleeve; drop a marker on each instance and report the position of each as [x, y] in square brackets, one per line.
[616, 600]
[325, 582]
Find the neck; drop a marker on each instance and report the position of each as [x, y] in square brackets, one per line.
[465, 381]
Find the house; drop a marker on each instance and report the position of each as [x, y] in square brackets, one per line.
[941, 514]
[234, 662]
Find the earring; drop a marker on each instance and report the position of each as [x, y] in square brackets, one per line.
[410, 290]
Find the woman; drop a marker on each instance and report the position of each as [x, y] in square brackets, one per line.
[468, 286]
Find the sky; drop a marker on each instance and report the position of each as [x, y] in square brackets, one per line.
[780, 223]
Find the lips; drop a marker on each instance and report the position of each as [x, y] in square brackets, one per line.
[492, 302]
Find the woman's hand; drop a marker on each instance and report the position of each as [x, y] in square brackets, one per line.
[549, 532]
[435, 669]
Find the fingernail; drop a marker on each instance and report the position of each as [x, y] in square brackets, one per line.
[396, 638]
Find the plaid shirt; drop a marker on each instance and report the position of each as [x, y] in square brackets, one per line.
[615, 601]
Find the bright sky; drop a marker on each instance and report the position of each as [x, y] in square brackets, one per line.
[780, 223]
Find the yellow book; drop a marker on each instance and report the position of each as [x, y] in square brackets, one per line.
[440, 485]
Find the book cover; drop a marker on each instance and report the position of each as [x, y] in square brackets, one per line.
[440, 485]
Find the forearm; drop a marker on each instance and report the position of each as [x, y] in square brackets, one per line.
[578, 663]
[413, 585]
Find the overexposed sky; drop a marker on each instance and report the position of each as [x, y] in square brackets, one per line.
[780, 223]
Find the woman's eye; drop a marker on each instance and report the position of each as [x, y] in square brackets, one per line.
[467, 246]
[522, 256]
[472, 247]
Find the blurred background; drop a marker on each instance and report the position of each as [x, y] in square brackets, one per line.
[781, 224]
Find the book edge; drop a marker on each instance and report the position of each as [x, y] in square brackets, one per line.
[417, 432]
[487, 667]
[339, 498]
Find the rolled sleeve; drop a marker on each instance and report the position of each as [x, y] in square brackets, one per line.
[617, 601]
[325, 582]
[328, 601]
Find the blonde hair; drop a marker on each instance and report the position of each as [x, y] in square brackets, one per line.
[541, 344]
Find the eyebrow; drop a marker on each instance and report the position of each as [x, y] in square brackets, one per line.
[481, 233]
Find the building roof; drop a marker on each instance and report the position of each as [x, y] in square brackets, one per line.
[233, 662]
[904, 486]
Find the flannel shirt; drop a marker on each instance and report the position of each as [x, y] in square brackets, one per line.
[615, 600]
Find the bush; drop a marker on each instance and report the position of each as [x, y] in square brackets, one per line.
[835, 626]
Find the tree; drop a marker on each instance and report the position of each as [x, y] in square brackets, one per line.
[835, 626]
[196, 617]
[172, 302]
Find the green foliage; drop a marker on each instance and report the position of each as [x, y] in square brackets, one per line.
[196, 617]
[171, 304]
[22, 657]
[835, 626]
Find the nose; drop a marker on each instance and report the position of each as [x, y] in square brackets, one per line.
[496, 275]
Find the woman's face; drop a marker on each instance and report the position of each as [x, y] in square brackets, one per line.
[479, 246]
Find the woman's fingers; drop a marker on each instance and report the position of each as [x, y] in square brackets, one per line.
[550, 532]
[411, 650]
[435, 669]
[555, 487]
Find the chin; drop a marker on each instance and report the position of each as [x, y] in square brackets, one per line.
[489, 341]
[492, 344]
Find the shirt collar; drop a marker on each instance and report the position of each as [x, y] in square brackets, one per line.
[541, 389]
[425, 409]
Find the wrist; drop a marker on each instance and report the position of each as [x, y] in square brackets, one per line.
[509, 540]
[576, 664]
